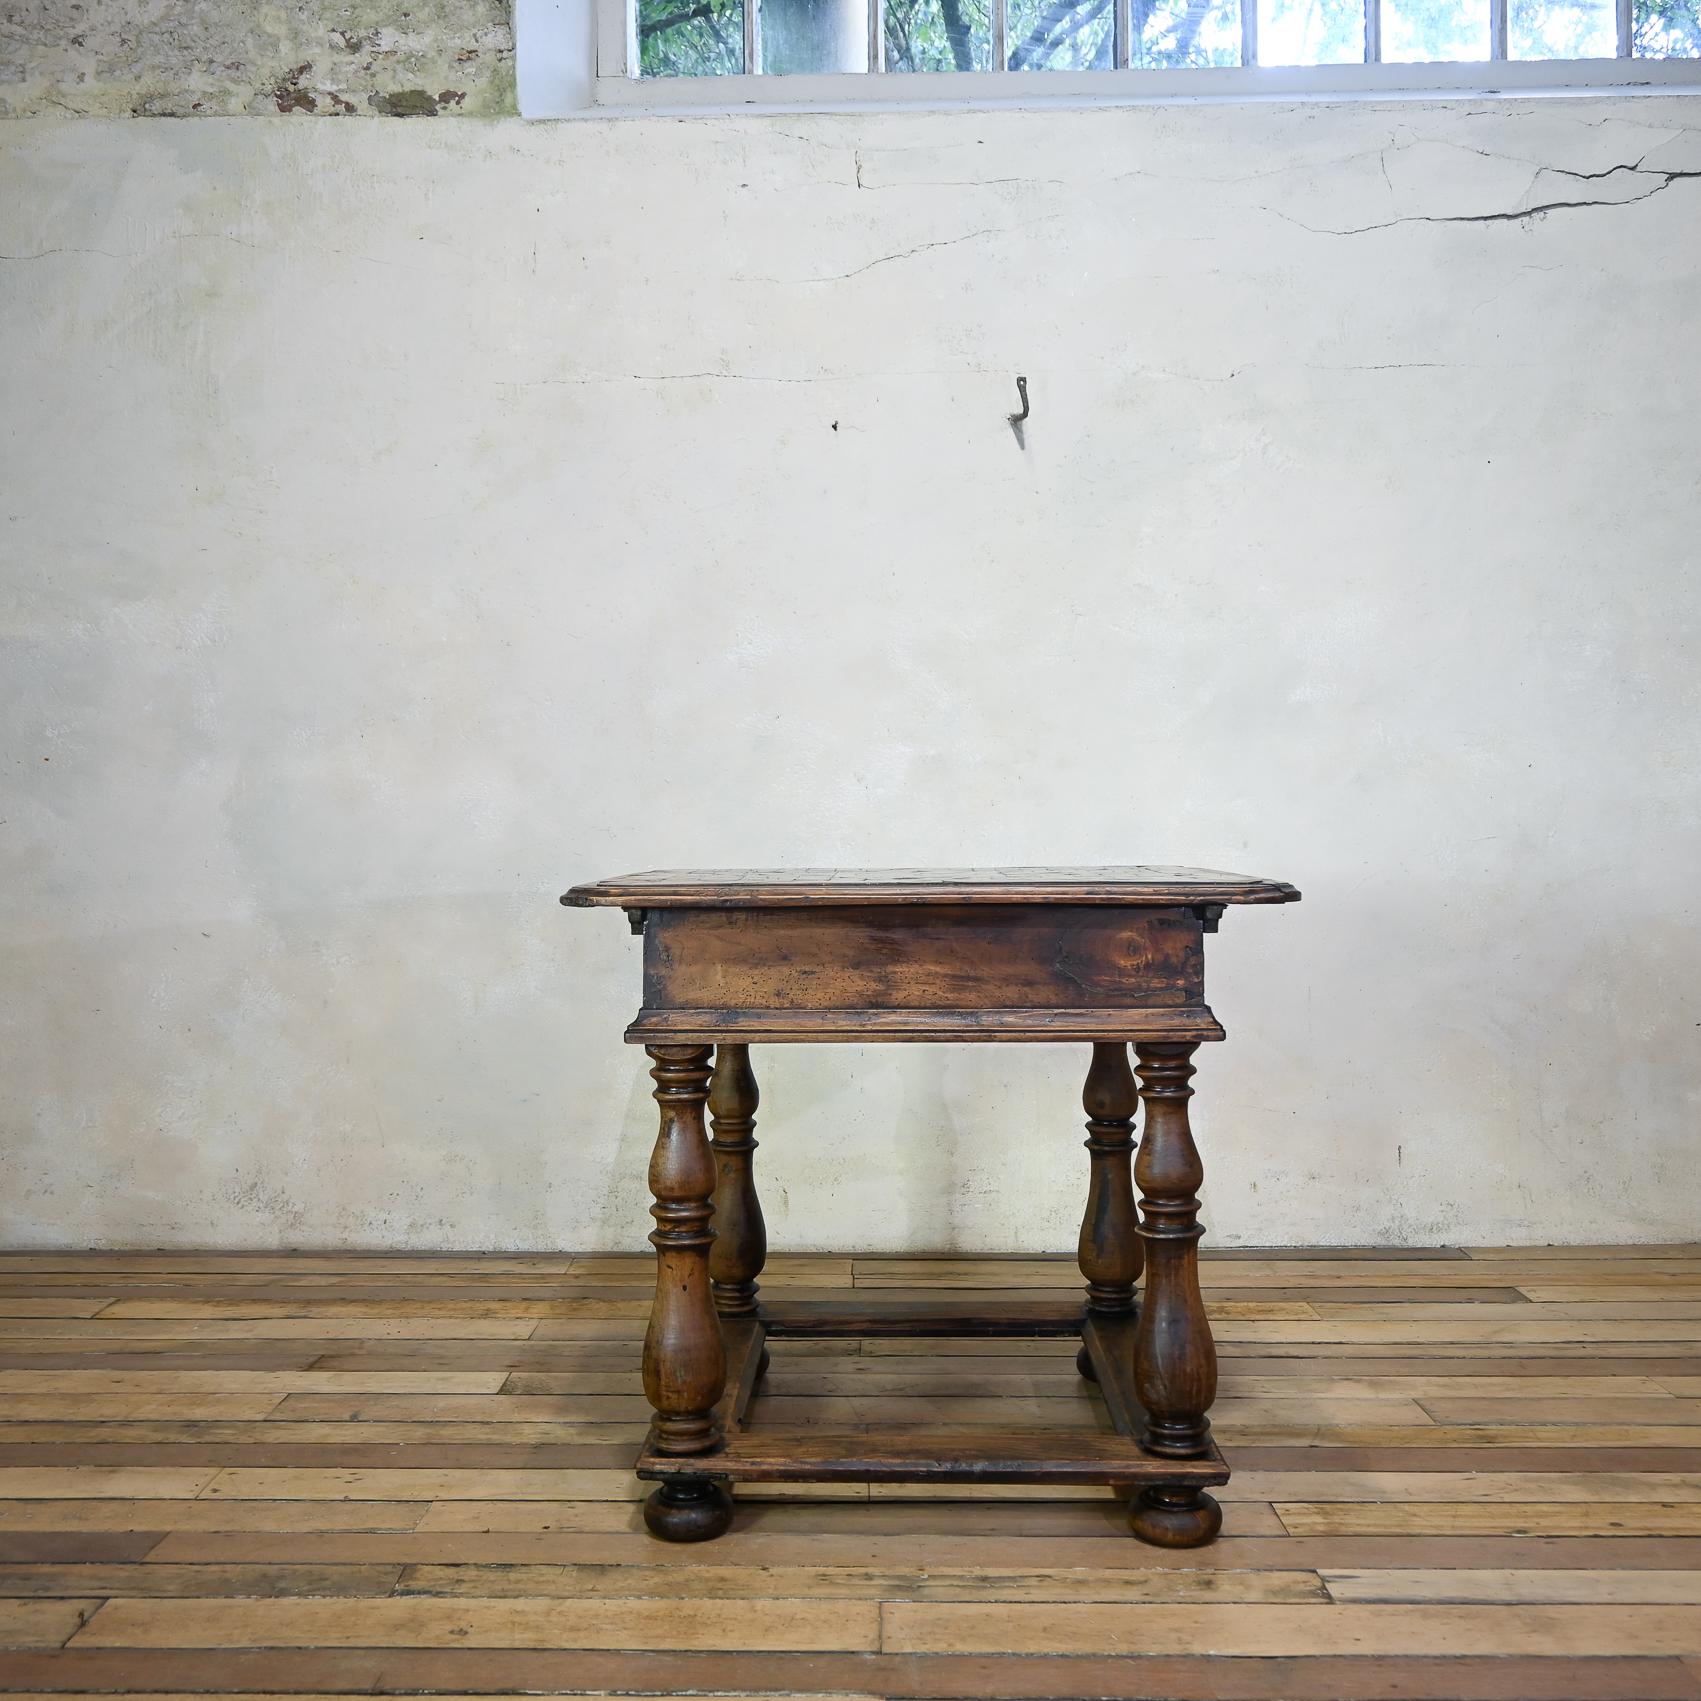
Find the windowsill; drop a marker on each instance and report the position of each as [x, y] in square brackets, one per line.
[990, 91]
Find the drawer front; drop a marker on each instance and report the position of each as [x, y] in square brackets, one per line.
[964, 958]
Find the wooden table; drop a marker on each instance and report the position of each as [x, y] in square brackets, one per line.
[1110, 956]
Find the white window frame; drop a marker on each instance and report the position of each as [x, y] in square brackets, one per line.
[617, 83]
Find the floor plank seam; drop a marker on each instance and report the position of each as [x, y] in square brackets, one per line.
[1414, 1474]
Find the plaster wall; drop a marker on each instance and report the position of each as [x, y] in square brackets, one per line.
[402, 521]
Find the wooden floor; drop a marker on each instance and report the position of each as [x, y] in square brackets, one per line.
[1457, 1474]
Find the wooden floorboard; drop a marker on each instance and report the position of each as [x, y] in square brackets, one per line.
[1459, 1473]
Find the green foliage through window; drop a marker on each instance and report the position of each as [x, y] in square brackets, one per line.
[1667, 29]
[690, 38]
[705, 38]
[938, 35]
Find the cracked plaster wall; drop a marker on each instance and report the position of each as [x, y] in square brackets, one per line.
[194, 58]
[403, 521]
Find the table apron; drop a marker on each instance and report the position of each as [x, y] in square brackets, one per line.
[982, 971]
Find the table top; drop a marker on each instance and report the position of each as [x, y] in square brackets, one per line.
[761, 888]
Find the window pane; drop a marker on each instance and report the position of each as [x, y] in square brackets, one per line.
[938, 35]
[1174, 32]
[1060, 35]
[690, 38]
[1416, 31]
[1667, 29]
[814, 35]
[1310, 32]
[1561, 29]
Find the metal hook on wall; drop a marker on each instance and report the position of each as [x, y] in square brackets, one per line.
[1017, 418]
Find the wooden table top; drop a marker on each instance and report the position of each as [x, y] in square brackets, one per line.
[761, 888]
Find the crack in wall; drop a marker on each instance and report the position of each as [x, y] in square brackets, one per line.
[1663, 180]
[909, 253]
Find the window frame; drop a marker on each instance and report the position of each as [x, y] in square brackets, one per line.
[618, 84]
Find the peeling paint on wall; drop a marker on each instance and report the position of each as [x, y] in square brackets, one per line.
[318, 58]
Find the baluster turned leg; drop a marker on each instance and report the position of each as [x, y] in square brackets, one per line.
[741, 1237]
[684, 1356]
[1110, 1252]
[1175, 1367]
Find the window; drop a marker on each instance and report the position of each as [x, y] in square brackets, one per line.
[684, 51]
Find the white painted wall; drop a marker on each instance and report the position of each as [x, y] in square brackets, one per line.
[404, 520]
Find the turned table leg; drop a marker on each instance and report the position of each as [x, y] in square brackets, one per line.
[684, 1356]
[741, 1237]
[1110, 1252]
[1175, 1368]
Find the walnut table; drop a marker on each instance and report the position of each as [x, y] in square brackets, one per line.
[1106, 956]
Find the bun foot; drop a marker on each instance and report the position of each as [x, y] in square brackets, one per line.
[762, 1364]
[1175, 1517]
[1084, 1364]
[690, 1509]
